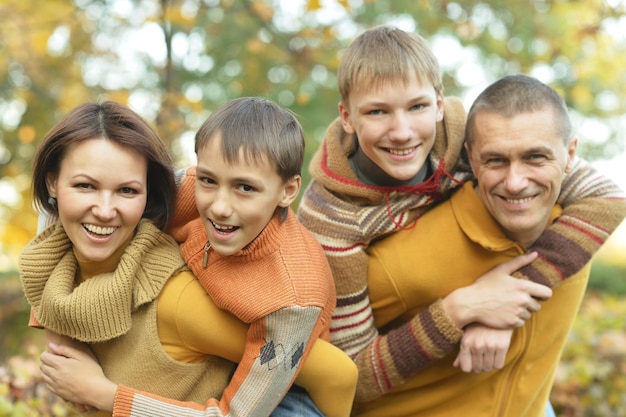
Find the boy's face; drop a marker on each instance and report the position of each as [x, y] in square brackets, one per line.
[394, 124]
[519, 164]
[236, 201]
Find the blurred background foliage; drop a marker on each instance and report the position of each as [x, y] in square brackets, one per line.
[174, 61]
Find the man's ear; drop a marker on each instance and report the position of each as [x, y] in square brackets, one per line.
[468, 152]
[571, 153]
[344, 114]
[290, 191]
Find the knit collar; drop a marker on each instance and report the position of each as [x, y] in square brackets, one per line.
[330, 165]
[100, 308]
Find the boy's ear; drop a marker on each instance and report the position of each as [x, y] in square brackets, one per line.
[290, 191]
[344, 113]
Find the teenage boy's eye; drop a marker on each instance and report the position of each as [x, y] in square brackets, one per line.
[246, 188]
[418, 107]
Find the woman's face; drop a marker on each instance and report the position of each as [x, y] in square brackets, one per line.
[101, 194]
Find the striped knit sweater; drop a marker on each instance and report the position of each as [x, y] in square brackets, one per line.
[346, 216]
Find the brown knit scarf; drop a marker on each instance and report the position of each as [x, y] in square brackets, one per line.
[100, 308]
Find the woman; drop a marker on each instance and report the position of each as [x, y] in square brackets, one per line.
[96, 274]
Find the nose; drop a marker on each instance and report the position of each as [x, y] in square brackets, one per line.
[221, 206]
[105, 208]
[400, 129]
[516, 179]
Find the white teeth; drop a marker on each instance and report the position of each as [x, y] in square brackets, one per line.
[99, 230]
[518, 201]
[400, 151]
[223, 228]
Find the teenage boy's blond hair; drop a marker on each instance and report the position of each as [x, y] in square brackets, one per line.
[386, 54]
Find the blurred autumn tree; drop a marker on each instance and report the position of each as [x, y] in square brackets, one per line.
[176, 60]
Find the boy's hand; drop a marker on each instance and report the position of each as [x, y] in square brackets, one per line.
[497, 299]
[76, 376]
[483, 349]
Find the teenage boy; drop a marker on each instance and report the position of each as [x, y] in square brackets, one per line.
[395, 152]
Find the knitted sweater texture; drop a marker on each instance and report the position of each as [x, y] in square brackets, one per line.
[115, 313]
[469, 243]
[346, 216]
[280, 283]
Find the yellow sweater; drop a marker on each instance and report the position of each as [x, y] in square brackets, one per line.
[451, 246]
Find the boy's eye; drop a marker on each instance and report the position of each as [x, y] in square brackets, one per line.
[246, 188]
[206, 180]
[375, 112]
[418, 106]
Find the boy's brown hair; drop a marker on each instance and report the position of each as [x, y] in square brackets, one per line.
[386, 54]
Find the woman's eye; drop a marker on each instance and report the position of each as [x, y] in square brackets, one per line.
[128, 190]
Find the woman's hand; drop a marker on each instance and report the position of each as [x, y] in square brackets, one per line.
[75, 375]
[483, 349]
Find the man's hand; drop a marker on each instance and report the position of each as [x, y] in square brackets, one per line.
[75, 375]
[497, 299]
[483, 349]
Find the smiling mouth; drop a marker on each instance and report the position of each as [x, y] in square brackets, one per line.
[401, 152]
[99, 230]
[518, 201]
[224, 229]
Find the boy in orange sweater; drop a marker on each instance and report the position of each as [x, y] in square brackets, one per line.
[256, 261]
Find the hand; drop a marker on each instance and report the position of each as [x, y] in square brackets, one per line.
[497, 299]
[483, 349]
[75, 375]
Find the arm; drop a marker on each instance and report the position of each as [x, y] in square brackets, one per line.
[495, 299]
[271, 359]
[79, 378]
[593, 207]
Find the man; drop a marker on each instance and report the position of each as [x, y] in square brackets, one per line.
[520, 147]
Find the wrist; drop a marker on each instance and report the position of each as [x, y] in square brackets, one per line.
[105, 396]
[455, 308]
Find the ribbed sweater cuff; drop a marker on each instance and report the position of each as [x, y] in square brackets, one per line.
[123, 403]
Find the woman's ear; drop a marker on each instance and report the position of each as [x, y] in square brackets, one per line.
[290, 191]
[51, 185]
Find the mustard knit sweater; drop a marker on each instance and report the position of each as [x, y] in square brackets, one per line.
[115, 313]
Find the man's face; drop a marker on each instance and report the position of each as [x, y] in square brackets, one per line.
[394, 124]
[519, 164]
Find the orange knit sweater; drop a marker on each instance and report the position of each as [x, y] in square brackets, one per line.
[280, 283]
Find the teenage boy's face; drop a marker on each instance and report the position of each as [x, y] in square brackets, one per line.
[394, 124]
[519, 164]
[236, 201]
